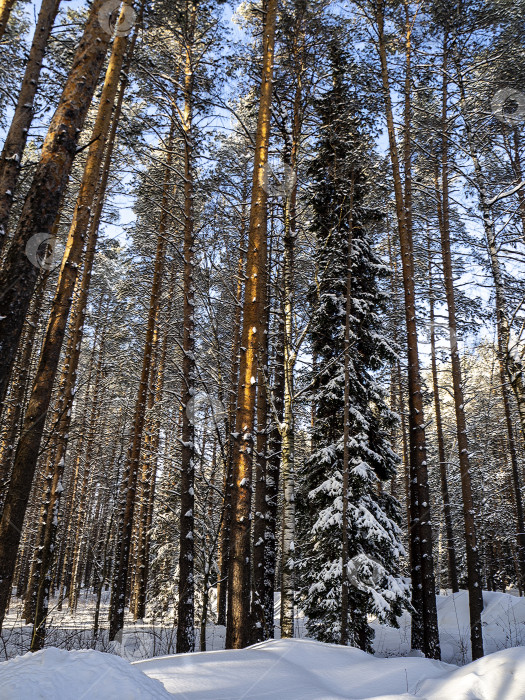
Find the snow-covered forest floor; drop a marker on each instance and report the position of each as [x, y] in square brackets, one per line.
[288, 669]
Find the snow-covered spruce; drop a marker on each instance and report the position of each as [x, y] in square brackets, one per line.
[341, 209]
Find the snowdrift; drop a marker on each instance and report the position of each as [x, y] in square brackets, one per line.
[287, 669]
[55, 674]
[295, 669]
[298, 669]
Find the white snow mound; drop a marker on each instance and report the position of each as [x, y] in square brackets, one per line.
[291, 669]
[295, 669]
[287, 669]
[56, 674]
[499, 676]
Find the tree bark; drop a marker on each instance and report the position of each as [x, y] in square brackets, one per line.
[224, 534]
[29, 445]
[345, 583]
[128, 485]
[186, 601]
[290, 352]
[447, 513]
[237, 628]
[14, 145]
[259, 631]
[18, 275]
[17, 398]
[473, 565]
[424, 619]
[5, 12]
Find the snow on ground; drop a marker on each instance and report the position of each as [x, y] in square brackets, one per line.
[503, 627]
[503, 620]
[298, 669]
[286, 669]
[55, 674]
[290, 669]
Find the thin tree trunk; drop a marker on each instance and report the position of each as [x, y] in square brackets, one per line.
[447, 513]
[150, 464]
[261, 458]
[237, 628]
[290, 354]
[129, 481]
[83, 448]
[424, 619]
[518, 500]
[5, 12]
[186, 600]
[473, 565]
[273, 478]
[224, 534]
[345, 546]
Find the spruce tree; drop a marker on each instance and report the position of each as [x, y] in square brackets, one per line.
[339, 193]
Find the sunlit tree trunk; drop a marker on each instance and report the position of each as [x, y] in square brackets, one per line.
[5, 12]
[15, 142]
[20, 388]
[237, 627]
[19, 274]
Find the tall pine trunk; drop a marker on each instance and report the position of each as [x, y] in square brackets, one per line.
[424, 618]
[224, 533]
[473, 565]
[447, 513]
[237, 627]
[186, 601]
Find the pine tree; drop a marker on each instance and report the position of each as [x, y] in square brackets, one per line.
[341, 216]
